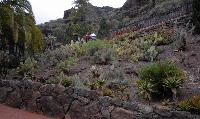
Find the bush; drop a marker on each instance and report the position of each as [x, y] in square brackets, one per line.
[151, 54]
[56, 79]
[65, 66]
[106, 55]
[160, 37]
[145, 88]
[91, 47]
[67, 81]
[127, 50]
[192, 105]
[112, 74]
[27, 67]
[160, 78]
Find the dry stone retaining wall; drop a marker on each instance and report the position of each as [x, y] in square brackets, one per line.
[57, 101]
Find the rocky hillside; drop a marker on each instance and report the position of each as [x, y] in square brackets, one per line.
[105, 19]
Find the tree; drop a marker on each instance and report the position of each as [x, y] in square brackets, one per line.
[196, 15]
[79, 25]
[18, 30]
[79, 11]
[104, 29]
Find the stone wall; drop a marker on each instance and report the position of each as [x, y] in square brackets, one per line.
[57, 101]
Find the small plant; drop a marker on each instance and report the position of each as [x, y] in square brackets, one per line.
[61, 79]
[95, 71]
[67, 81]
[108, 92]
[27, 67]
[157, 78]
[128, 50]
[66, 65]
[192, 105]
[106, 55]
[173, 83]
[112, 74]
[151, 54]
[91, 47]
[145, 88]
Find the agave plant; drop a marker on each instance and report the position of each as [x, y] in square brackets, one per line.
[173, 83]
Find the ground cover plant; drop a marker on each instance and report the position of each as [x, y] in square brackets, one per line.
[160, 79]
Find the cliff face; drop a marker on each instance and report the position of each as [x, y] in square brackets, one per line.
[131, 4]
[112, 18]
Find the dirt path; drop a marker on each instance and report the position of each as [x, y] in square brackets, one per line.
[11, 113]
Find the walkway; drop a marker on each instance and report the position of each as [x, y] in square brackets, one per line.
[11, 113]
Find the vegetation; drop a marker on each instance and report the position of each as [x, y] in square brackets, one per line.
[192, 104]
[133, 47]
[160, 79]
[107, 66]
[18, 30]
[27, 68]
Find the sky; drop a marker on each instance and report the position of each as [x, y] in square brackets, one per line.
[45, 10]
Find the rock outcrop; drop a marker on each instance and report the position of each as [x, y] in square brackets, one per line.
[58, 101]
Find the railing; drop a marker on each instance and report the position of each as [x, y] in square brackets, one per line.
[154, 20]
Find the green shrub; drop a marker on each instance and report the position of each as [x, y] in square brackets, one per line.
[159, 78]
[151, 54]
[131, 51]
[112, 74]
[106, 55]
[145, 88]
[27, 67]
[58, 79]
[192, 105]
[91, 47]
[67, 81]
[66, 65]
[108, 92]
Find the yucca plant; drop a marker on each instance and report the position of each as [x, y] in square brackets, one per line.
[173, 83]
[162, 76]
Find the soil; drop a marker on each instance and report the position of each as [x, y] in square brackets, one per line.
[188, 60]
[11, 113]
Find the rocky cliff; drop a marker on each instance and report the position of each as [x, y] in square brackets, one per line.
[112, 18]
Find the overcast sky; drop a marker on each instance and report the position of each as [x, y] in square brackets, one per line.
[45, 10]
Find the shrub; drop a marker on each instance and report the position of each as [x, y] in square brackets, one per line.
[145, 88]
[106, 55]
[95, 71]
[159, 78]
[192, 105]
[66, 65]
[91, 47]
[160, 37]
[58, 79]
[67, 81]
[112, 74]
[53, 57]
[27, 67]
[151, 54]
[127, 50]
[108, 92]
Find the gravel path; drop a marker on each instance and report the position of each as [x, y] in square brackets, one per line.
[11, 113]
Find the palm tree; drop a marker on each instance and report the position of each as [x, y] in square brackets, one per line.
[19, 31]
